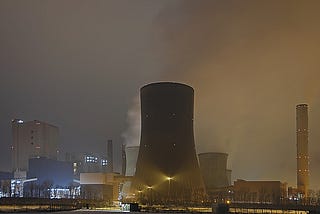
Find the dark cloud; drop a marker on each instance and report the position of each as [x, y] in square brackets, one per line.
[75, 64]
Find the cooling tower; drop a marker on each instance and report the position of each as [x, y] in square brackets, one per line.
[131, 160]
[302, 149]
[213, 167]
[167, 166]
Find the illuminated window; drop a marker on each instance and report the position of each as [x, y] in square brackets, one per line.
[104, 162]
[91, 159]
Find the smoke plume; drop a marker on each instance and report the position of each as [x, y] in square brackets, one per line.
[250, 63]
[131, 136]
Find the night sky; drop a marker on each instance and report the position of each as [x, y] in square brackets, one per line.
[80, 64]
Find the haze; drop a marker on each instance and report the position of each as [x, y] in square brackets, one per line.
[80, 64]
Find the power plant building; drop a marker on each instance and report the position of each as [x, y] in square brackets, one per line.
[167, 166]
[101, 186]
[302, 149]
[267, 192]
[32, 139]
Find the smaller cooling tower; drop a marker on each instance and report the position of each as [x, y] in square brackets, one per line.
[131, 156]
[214, 171]
[131, 161]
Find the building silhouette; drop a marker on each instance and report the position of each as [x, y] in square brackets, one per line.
[167, 166]
[302, 149]
[32, 139]
[123, 159]
[259, 192]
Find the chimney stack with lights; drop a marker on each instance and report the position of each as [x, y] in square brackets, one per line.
[302, 149]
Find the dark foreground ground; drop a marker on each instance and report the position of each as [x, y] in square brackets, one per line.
[89, 212]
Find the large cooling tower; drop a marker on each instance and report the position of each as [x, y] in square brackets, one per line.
[167, 166]
[213, 167]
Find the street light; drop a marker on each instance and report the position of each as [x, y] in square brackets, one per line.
[169, 181]
[150, 195]
[139, 195]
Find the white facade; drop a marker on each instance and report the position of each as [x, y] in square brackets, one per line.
[131, 161]
[32, 139]
[131, 158]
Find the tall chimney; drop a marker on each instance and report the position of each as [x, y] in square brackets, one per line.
[302, 149]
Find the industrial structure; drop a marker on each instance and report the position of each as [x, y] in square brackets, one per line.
[50, 178]
[302, 150]
[131, 161]
[93, 163]
[109, 156]
[101, 186]
[123, 159]
[265, 192]
[213, 166]
[32, 139]
[167, 167]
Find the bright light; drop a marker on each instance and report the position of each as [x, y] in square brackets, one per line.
[90, 159]
[20, 121]
[104, 162]
[169, 178]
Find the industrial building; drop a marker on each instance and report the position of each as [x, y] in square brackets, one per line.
[216, 176]
[101, 186]
[302, 150]
[92, 163]
[270, 192]
[5, 184]
[167, 167]
[32, 139]
[50, 179]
